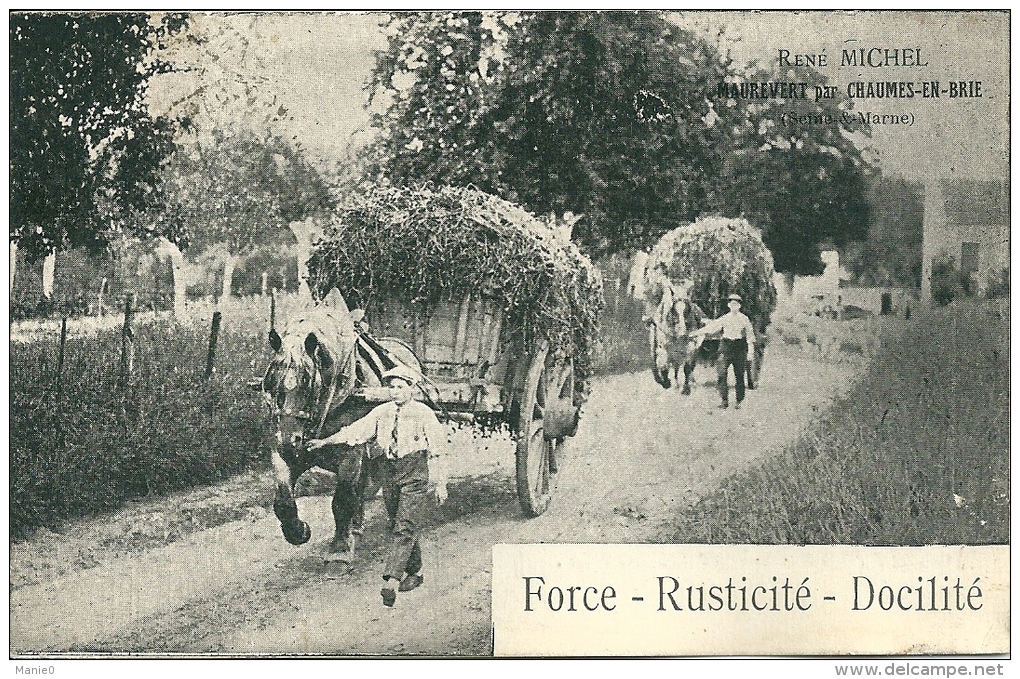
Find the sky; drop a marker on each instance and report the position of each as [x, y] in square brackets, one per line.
[314, 66]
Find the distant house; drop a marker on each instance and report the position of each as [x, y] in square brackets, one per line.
[967, 220]
[812, 293]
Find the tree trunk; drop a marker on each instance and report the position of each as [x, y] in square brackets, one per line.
[48, 269]
[180, 278]
[14, 264]
[305, 232]
[229, 264]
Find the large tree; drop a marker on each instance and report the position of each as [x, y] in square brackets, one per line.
[615, 115]
[432, 93]
[233, 193]
[611, 115]
[892, 253]
[792, 166]
[603, 114]
[83, 146]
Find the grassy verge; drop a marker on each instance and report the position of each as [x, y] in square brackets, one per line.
[917, 454]
[76, 454]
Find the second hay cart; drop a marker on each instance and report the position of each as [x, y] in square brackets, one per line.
[719, 256]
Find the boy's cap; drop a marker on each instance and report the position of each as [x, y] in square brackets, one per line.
[734, 297]
[401, 372]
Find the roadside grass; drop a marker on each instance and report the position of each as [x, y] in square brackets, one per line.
[845, 341]
[916, 454]
[86, 448]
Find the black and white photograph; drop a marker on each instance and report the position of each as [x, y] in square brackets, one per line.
[503, 333]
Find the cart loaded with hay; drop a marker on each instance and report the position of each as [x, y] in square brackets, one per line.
[689, 275]
[500, 312]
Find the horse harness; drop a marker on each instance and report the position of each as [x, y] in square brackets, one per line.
[336, 393]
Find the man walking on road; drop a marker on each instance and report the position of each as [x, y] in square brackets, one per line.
[735, 348]
[409, 447]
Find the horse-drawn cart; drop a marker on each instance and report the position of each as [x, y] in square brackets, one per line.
[495, 309]
[688, 276]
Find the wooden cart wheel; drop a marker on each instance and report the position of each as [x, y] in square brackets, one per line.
[547, 416]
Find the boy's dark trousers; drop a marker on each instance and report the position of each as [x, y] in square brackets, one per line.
[405, 485]
[731, 352]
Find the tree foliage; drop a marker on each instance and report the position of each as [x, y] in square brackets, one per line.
[610, 115]
[436, 86]
[891, 255]
[613, 115]
[794, 170]
[239, 191]
[219, 81]
[83, 146]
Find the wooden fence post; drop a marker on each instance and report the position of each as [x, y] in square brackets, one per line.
[127, 359]
[210, 364]
[101, 303]
[58, 397]
[272, 310]
[60, 357]
[127, 345]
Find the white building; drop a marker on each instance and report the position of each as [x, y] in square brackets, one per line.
[967, 220]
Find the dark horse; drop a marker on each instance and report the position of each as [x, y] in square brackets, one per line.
[669, 325]
[321, 362]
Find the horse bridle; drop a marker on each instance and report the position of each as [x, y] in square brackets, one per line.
[352, 382]
[337, 394]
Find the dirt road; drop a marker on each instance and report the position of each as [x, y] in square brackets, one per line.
[642, 455]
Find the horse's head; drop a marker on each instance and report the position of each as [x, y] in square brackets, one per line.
[673, 310]
[312, 370]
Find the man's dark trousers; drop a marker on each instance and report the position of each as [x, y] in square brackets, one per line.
[731, 352]
[405, 485]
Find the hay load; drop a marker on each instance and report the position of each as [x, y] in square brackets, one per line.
[430, 245]
[720, 256]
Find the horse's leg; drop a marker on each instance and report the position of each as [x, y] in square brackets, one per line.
[348, 501]
[688, 369]
[660, 359]
[295, 531]
[653, 342]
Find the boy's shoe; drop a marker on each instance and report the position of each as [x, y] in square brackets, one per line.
[737, 407]
[724, 406]
[389, 597]
[411, 582]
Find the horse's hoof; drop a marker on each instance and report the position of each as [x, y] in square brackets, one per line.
[299, 537]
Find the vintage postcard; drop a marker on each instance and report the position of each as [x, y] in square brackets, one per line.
[680, 334]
